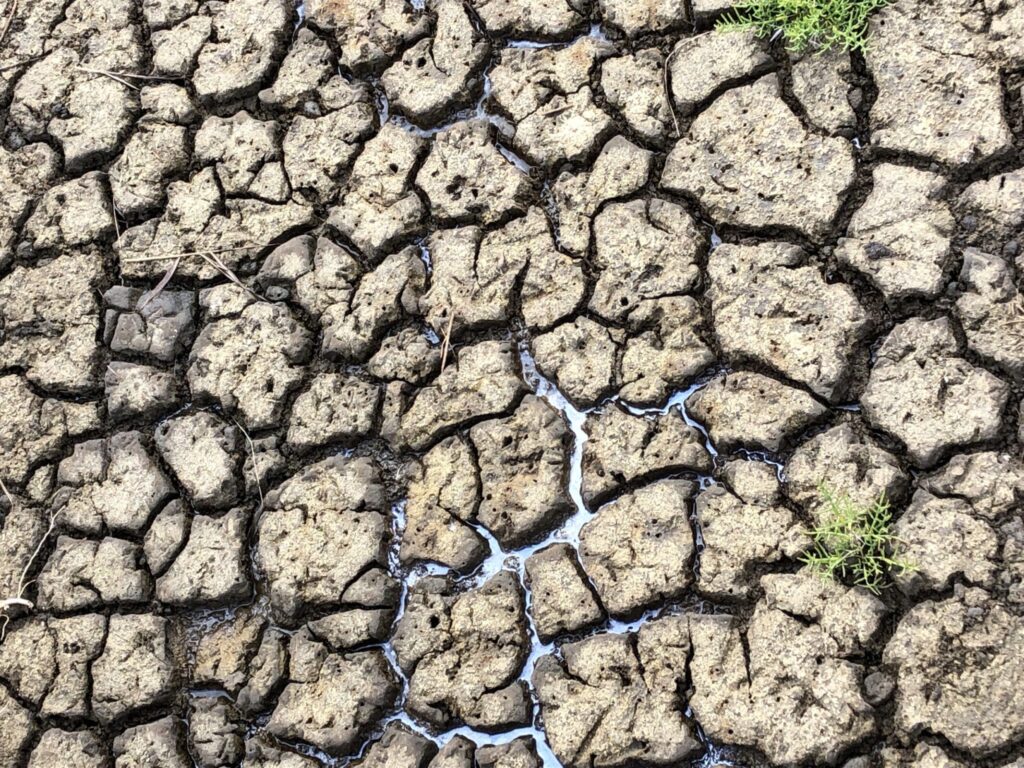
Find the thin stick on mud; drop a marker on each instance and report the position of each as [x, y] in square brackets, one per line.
[668, 89]
[7, 603]
[9, 20]
[132, 75]
[215, 262]
[21, 63]
[1016, 316]
[10, 499]
[123, 77]
[446, 342]
[181, 254]
[150, 295]
[255, 461]
[117, 227]
[210, 258]
[111, 75]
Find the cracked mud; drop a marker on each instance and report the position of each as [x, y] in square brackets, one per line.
[448, 384]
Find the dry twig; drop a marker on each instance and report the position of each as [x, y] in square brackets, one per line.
[255, 461]
[19, 599]
[117, 227]
[182, 254]
[112, 75]
[214, 261]
[1013, 325]
[665, 73]
[21, 63]
[1017, 315]
[446, 342]
[9, 20]
[210, 257]
[150, 295]
[123, 77]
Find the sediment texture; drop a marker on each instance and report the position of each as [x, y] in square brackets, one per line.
[451, 384]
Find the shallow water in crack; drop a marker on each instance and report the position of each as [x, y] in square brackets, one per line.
[425, 256]
[678, 400]
[380, 100]
[477, 111]
[514, 560]
[515, 159]
[201, 622]
[765, 458]
[596, 31]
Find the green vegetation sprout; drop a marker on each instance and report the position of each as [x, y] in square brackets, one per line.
[805, 24]
[854, 543]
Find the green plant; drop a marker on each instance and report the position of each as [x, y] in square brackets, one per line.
[805, 24]
[855, 543]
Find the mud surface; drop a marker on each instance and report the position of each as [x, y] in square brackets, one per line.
[451, 385]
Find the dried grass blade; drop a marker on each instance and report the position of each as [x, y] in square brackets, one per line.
[181, 254]
[214, 261]
[446, 342]
[255, 462]
[111, 75]
[9, 20]
[150, 295]
[21, 63]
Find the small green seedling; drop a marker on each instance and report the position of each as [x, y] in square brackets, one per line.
[855, 543]
[816, 25]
